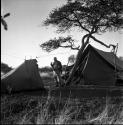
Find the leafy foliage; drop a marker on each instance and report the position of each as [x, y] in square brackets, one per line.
[52, 44]
[72, 59]
[121, 58]
[90, 16]
[99, 15]
[45, 69]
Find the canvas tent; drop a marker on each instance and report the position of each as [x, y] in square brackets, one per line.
[97, 67]
[24, 77]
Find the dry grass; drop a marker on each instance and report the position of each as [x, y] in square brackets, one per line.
[112, 113]
[17, 109]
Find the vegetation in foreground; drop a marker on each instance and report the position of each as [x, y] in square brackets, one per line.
[24, 109]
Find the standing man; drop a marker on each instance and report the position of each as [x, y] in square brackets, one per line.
[57, 67]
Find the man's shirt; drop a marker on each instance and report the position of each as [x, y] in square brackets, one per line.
[57, 65]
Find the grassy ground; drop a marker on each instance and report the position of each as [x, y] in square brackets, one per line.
[28, 109]
[20, 109]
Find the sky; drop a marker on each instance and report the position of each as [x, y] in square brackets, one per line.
[25, 33]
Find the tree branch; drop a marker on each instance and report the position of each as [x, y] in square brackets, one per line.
[70, 19]
[80, 23]
[74, 48]
[108, 46]
[83, 39]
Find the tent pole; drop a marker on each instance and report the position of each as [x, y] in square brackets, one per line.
[66, 67]
[115, 53]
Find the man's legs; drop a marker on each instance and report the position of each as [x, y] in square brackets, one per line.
[55, 78]
[59, 80]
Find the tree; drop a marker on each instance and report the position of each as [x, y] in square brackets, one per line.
[5, 68]
[71, 59]
[4, 22]
[121, 58]
[52, 44]
[90, 16]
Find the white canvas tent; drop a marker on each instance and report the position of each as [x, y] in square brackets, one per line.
[24, 77]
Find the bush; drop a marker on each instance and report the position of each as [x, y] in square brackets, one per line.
[45, 69]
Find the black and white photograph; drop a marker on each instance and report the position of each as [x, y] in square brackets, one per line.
[61, 62]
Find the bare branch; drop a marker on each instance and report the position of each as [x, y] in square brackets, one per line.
[78, 20]
[53, 44]
[95, 39]
[69, 46]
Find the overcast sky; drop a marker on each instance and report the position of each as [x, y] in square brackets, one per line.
[25, 33]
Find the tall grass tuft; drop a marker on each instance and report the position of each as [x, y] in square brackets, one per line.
[112, 113]
[50, 110]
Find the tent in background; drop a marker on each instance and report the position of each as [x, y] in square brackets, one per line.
[24, 77]
[97, 67]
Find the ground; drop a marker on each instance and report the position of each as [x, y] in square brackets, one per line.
[42, 109]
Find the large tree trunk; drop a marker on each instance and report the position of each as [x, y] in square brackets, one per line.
[84, 44]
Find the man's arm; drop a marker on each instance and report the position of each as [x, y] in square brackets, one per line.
[51, 64]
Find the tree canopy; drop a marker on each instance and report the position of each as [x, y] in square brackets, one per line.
[90, 16]
[55, 43]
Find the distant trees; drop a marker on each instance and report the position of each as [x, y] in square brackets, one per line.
[71, 59]
[121, 58]
[45, 69]
[90, 16]
[5, 68]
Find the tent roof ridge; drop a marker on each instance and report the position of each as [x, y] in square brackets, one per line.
[109, 57]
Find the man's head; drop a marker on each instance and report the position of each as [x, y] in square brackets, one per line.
[55, 59]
